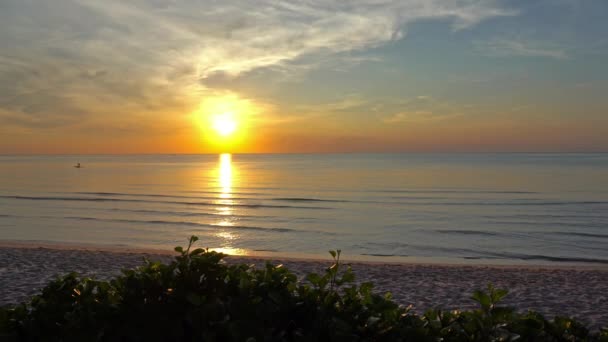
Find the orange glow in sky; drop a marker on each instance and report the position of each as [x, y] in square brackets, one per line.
[366, 76]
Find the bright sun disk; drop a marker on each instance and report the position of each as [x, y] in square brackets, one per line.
[224, 125]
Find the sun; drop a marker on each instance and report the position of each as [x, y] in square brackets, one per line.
[224, 124]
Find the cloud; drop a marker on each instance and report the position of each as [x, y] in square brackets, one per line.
[520, 48]
[88, 59]
[410, 116]
[422, 108]
[237, 36]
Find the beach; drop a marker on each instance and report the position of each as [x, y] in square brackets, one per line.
[552, 290]
[454, 154]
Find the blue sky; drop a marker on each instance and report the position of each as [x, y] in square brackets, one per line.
[305, 76]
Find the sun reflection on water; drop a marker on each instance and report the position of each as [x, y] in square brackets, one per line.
[228, 236]
[225, 175]
[225, 180]
[224, 183]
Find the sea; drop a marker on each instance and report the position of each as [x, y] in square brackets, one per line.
[507, 208]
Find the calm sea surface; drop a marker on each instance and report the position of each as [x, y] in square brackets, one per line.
[473, 208]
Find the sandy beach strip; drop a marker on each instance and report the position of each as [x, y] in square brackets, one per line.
[581, 292]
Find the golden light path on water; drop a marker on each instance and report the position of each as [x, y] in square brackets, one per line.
[225, 175]
[224, 180]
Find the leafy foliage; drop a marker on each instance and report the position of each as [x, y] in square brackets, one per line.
[198, 297]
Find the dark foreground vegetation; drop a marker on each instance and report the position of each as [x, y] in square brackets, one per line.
[197, 297]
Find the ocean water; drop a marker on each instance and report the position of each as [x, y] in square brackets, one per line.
[461, 208]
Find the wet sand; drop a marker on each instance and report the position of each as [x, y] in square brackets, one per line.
[581, 292]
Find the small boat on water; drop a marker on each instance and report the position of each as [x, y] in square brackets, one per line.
[78, 166]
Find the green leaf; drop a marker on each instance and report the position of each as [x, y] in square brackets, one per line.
[498, 295]
[197, 251]
[482, 298]
[348, 276]
[313, 278]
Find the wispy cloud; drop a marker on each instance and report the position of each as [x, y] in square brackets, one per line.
[422, 108]
[237, 36]
[410, 116]
[90, 58]
[520, 48]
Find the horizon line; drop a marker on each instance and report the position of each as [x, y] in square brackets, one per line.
[294, 153]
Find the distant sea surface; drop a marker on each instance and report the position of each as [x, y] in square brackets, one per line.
[461, 208]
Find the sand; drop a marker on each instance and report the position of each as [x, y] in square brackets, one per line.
[581, 292]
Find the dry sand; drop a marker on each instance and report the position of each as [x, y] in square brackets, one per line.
[581, 292]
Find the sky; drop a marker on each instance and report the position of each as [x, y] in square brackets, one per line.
[154, 76]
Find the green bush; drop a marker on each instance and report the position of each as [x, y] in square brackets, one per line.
[198, 297]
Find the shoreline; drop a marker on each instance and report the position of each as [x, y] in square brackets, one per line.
[299, 257]
[574, 291]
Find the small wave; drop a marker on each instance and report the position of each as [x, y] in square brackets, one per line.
[222, 192]
[120, 194]
[181, 213]
[124, 194]
[526, 257]
[452, 192]
[297, 199]
[465, 232]
[101, 193]
[549, 224]
[49, 198]
[381, 245]
[514, 257]
[562, 259]
[414, 198]
[159, 212]
[466, 253]
[236, 189]
[381, 254]
[554, 203]
[546, 216]
[251, 206]
[533, 257]
[591, 235]
[180, 223]
[97, 199]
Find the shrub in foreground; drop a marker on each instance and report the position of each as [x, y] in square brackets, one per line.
[197, 297]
